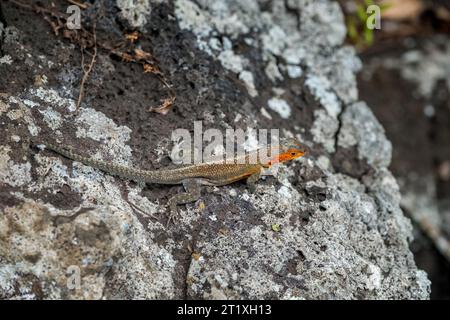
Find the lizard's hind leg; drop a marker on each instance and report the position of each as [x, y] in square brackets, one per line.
[193, 188]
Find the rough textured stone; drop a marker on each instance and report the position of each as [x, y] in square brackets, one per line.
[412, 101]
[360, 128]
[310, 232]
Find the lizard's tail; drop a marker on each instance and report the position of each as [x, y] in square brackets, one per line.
[108, 167]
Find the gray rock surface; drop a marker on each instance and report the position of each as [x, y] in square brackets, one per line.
[315, 231]
[421, 109]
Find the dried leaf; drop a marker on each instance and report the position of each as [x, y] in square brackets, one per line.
[148, 68]
[142, 55]
[132, 37]
[126, 57]
[196, 256]
[164, 107]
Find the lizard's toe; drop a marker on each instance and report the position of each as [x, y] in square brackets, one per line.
[173, 214]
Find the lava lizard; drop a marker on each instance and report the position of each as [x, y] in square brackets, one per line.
[193, 176]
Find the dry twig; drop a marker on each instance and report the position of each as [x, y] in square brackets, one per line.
[81, 5]
[87, 71]
[84, 38]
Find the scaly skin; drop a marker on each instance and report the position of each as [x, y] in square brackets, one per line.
[192, 176]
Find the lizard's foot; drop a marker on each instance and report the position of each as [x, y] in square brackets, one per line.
[251, 181]
[192, 194]
[173, 214]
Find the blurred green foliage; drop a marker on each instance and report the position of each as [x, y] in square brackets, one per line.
[358, 30]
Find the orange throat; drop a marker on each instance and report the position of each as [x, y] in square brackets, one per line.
[285, 156]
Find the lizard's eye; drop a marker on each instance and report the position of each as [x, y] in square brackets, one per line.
[293, 153]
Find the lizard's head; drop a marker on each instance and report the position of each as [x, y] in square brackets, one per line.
[289, 149]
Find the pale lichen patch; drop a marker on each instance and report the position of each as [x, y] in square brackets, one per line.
[280, 106]
[11, 173]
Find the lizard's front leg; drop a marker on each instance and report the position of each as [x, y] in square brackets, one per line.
[193, 188]
[251, 181]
